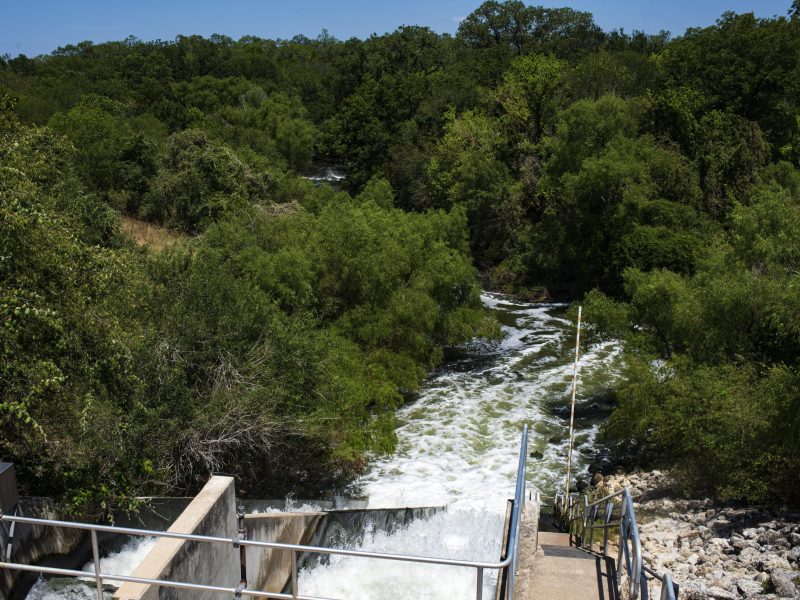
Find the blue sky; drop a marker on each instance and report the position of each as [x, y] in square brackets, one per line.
[35, 27]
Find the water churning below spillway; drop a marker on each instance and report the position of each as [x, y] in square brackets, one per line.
[116, 563]
[458, 446]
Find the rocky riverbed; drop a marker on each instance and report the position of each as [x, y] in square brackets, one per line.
[713, 551]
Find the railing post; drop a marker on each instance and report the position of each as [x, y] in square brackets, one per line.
[242, 548]
[479, 591]
[593, 521]
[609, 513]
[96, 556]
[585, 519]
[623, 542]
[294, 574]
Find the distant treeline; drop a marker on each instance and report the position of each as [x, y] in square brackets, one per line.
[658, 175]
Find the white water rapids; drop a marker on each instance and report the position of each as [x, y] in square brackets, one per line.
[122, 562]
[458, 446]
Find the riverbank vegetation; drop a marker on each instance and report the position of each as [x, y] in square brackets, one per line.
[271, 327]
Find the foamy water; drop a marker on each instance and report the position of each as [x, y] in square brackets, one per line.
[116, 563]
[458, 446]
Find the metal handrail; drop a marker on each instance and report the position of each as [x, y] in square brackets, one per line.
[519, 501]
[580, 518]
[502, 566]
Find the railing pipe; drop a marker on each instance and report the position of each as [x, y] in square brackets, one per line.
[259, 544]
[294, 574]
[519, 500]
[98, 582]
[579, 516]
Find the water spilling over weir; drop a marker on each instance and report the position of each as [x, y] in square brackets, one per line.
[457, 446]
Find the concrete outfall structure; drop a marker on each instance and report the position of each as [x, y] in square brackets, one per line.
[212, 512]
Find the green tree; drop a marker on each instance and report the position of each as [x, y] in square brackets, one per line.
[199, 180]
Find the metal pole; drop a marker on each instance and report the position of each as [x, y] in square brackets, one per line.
[242, 548]
[574, 389]
[294, 574]
[479, 593]
[96, 556]
[609, 513]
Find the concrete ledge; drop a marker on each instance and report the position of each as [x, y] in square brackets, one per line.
[528, 546]
[269, 569]
[212, 512]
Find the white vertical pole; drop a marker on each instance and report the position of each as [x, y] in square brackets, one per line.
[574, 389]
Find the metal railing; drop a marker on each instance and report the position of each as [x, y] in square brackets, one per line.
[505, 567]
[580, 519]
[516, 514]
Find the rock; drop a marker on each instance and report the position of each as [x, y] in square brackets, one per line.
[751, 556]
[749, 587]
[752, 533]
[720, 594]
[686, 538]
[783, 585]
[769, 537]
[537, 455]
[740, 544]
[712, 551]
[694, 591]
[781, 544]
[773, 562]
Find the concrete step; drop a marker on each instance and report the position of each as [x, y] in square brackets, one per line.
[564, 572]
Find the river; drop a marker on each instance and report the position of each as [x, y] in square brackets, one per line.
[458, 446]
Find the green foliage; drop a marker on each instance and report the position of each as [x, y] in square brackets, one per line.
[275, 346]
[112, 157]
[728, 334]
[199, 180]
[313, 322]
[521, 29]
[531, 94]
[66, 339]
[613, 201]
[464, 170]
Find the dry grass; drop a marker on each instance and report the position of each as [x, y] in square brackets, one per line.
[153, 236]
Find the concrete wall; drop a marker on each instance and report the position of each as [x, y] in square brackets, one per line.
[35, 544]
[528, 545]
[212, 512]
[270, 570]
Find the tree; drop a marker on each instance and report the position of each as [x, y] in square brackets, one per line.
[199, 180]
[531, 94]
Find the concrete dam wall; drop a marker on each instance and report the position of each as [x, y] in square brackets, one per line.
[213, 513]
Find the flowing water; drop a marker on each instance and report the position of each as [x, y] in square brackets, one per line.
[326, 173]
[458, 446]
[116, 563]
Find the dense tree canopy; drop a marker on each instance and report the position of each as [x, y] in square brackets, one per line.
[658, 175]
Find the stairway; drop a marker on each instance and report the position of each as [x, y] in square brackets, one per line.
[562, 572]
